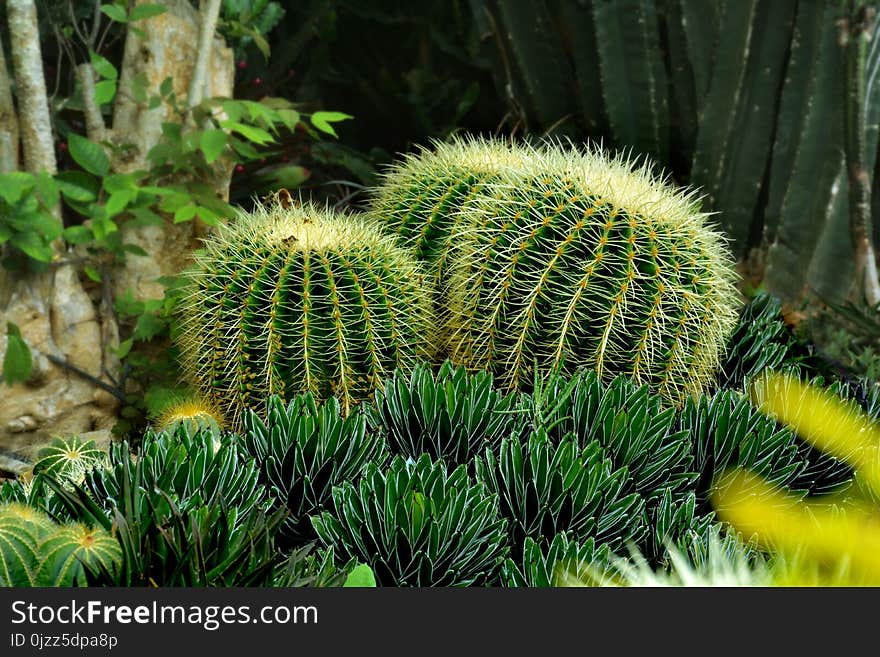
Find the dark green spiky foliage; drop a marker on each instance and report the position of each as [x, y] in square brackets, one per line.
[286, 300]
[69, 459]
[415, 524]
[310, 567]
[557, 564]
[451, 416]
[545, 488]
[726, 431]
[589, 261]
[304, 450]
[186, 512]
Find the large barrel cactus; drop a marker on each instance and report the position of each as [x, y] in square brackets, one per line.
[561, 260]
[291, 299]
[421, 196]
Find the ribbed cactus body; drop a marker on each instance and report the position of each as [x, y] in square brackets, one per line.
[290, 300]
[67, 551]
[21, 530]
[421, 197]
[589, 262]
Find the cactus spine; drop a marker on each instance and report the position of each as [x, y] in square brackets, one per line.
[421, 197]
[589, 261]
[298, 299]
[566, 260]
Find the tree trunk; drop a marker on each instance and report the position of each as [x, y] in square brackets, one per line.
[8, 120]
[57, 318]
[168, 46]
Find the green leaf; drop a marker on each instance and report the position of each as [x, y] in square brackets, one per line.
[322, 121]
[167, 86]
[92, 273]
[13, 185]
[33, 245]
[147, 326]
[77, 235]
[140, 12]
[360, 576]
[118, 201]
[89, 155]
[212, 144]
[77, 186]
[135, 249]
[103, 67]
[17, 363]
[289, 118]
[115, 12]
[249, 132]
[119, 182]
[47, 190]
[185, 213]
[105, 91]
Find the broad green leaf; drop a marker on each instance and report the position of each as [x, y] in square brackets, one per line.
[115, 12]
[47, 190]
[140, 12]
[77, 235]
[33, 245]
[103, 67]
[207, 215]
[167, 86]
[105, 91]
[89, 155]
[17, 362]
[322, 121]
[92, 273]
[289, 118]
[212, 144]
[13, 185]
[147, 326]
[360, 576]
[124, 348]
[119, 182]
[77, 186]
[135, 249]
[118, 201]
[185, 213]
[249, 132]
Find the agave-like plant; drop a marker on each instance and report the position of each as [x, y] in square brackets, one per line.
[304, 449]
[415, 524]
[552, 565]
[450, 416]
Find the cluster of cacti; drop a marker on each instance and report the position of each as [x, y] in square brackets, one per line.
[69, 460]
[35, 551]
[561, 260]
[292, 299]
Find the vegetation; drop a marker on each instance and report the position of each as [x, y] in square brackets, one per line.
[611, 320]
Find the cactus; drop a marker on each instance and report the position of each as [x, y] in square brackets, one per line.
[70, 460]
[194, 414]
[586, 260]
[421, 198]
[21, 530]
[298, 299]
[68, 551]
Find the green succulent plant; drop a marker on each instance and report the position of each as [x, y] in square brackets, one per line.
[304, 450]
[581, 260]
[552, 565]
[69, 459]
[291, 299]
[415, 524]
[35, 551]
[451, 416]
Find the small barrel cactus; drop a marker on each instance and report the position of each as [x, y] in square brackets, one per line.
[581, 260]
[290, 299]
[70, 459]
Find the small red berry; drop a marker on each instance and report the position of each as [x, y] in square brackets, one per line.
[242, 64]
[239, 168]
[62, 146]
[258, 81]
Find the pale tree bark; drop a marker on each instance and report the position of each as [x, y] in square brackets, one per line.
[8, 120]
[168, 46]
[57, 318]
[209, 12]
[96, 130]
[33, 102]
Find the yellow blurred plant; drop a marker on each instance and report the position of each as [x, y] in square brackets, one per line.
[832, 539]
